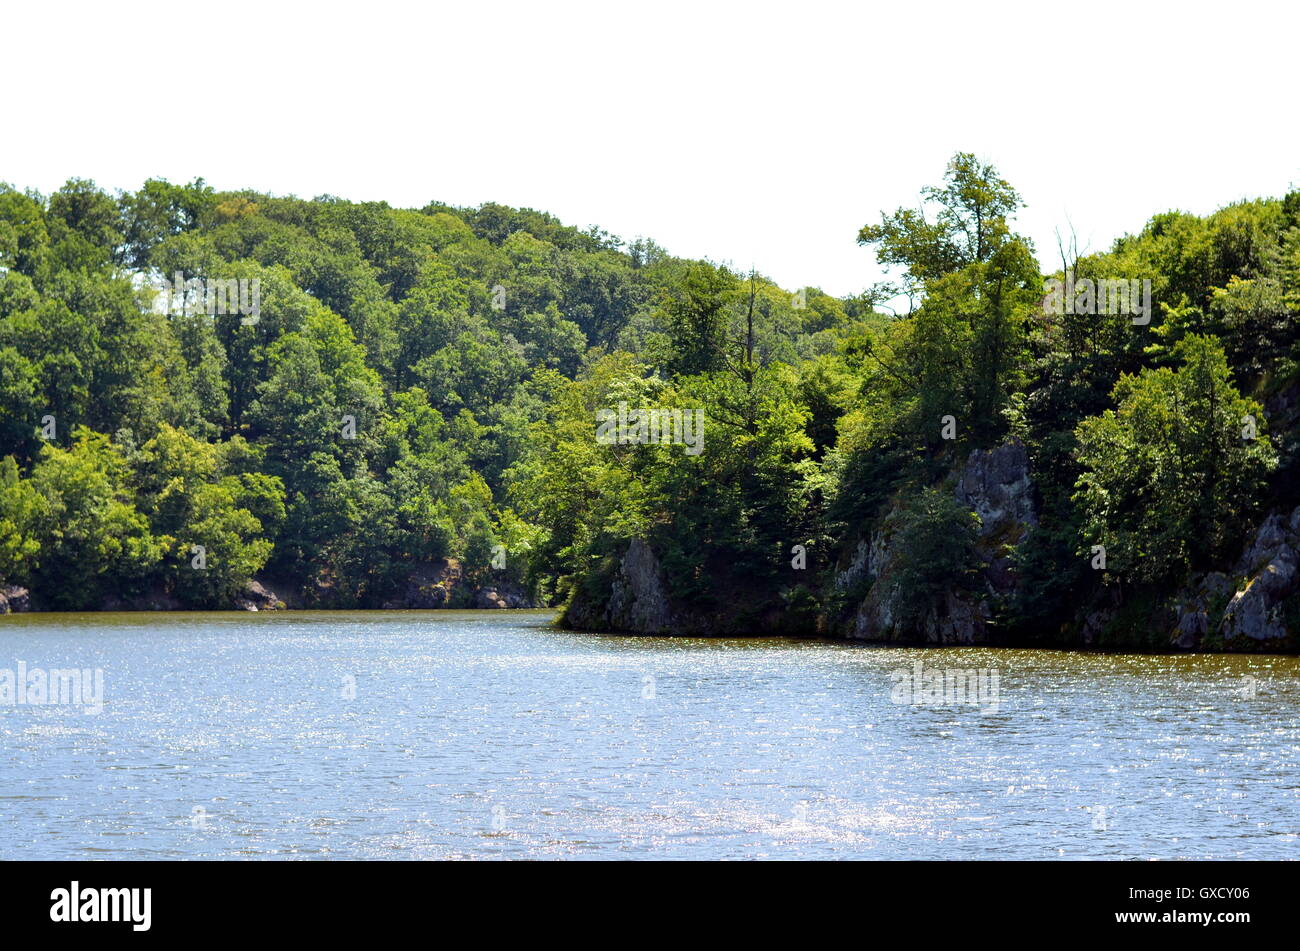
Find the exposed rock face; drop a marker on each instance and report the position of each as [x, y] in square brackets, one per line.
[1193, 610]
[1271, 563]
[863, 565]
[954, 620]
[875, 616]
[257, 597]
[430, 586]
[504, 595]
[638, 601]
[14, 599]
[443, 584]
[638, 598]
[1255, 613]
[996, 485]
[958, 621]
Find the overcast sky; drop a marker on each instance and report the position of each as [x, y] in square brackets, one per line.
[750, 133]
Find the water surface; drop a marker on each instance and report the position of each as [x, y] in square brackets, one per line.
[489, 735]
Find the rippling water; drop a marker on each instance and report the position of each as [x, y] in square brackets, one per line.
[490, 735]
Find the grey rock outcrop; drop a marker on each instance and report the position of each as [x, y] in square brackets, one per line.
[443, 584]
[14, 599]
[996, 485]
[257, 597]
[954, 620]
[1255, 610]
[504, 595]
[430, 586]
[638, 599]
[1193, 609]
[1272, 564]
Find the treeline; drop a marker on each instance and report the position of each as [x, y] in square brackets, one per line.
[425, 384]
[372, 419]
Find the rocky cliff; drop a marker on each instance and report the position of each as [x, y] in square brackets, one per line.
[634, 598]
[995, 484]
[1257, 606]
[637, 601]
[1253, 605]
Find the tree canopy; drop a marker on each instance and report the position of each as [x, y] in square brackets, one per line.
[422, 384]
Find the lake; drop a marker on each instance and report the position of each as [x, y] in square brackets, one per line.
[488, 734]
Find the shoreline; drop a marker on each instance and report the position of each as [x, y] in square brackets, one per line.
[556, 614]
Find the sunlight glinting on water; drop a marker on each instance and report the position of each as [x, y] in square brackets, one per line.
[491, 735]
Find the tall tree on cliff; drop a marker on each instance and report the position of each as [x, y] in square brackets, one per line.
[964, 347]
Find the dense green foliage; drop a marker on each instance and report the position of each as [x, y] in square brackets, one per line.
[425, 384]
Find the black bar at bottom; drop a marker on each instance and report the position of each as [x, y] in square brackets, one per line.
[329, 900]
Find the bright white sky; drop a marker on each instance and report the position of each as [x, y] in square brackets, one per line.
[747, 132]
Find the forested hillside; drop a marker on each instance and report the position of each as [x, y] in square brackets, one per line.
[409, 414]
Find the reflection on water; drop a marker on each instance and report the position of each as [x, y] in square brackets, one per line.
[489, 735]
